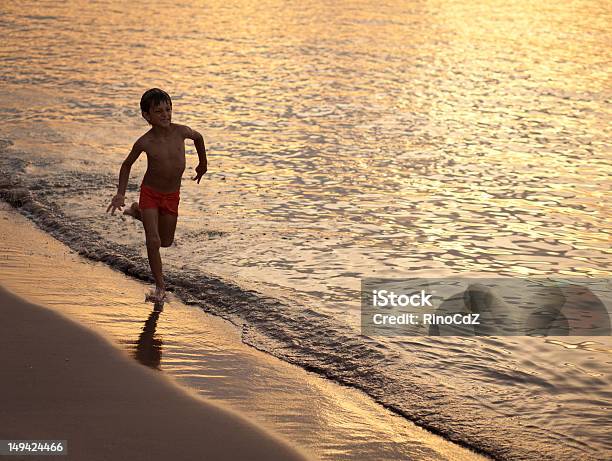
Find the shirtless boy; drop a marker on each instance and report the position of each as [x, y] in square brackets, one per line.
[157, 208]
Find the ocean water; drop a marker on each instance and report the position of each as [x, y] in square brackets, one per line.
[346, 140]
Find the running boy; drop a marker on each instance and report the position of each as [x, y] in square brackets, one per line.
[157, 208]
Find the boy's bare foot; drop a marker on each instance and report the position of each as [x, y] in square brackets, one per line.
[133, 211]
[157, 295]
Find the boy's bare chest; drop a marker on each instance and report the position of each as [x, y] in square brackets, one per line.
[166, 151]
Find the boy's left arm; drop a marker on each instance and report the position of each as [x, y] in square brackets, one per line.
[198, 141]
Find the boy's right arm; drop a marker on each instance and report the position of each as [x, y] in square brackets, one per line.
[118, 200]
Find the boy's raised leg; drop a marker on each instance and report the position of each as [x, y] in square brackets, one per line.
[134, 211]
[150, 220]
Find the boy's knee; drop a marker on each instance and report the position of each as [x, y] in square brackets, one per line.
[153, 242]
[165, 243]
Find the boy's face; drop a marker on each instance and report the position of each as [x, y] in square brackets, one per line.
[159, 115]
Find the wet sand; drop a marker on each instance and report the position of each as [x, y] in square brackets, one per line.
[62, 381]
[204, 354]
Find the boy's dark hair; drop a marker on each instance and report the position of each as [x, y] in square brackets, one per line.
[153, 97]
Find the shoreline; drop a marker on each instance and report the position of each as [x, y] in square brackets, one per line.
[295, 333]
[206, 354]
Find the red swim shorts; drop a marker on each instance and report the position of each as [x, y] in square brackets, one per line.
[166, 203]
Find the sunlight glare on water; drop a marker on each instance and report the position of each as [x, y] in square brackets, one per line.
[349, 139]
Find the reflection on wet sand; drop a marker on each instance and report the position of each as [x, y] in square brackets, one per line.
[148, 349]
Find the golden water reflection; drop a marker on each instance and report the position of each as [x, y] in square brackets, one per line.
[402, 136]
[347, 139]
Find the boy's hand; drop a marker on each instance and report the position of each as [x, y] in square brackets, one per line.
[118, 202]
[200, 170]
